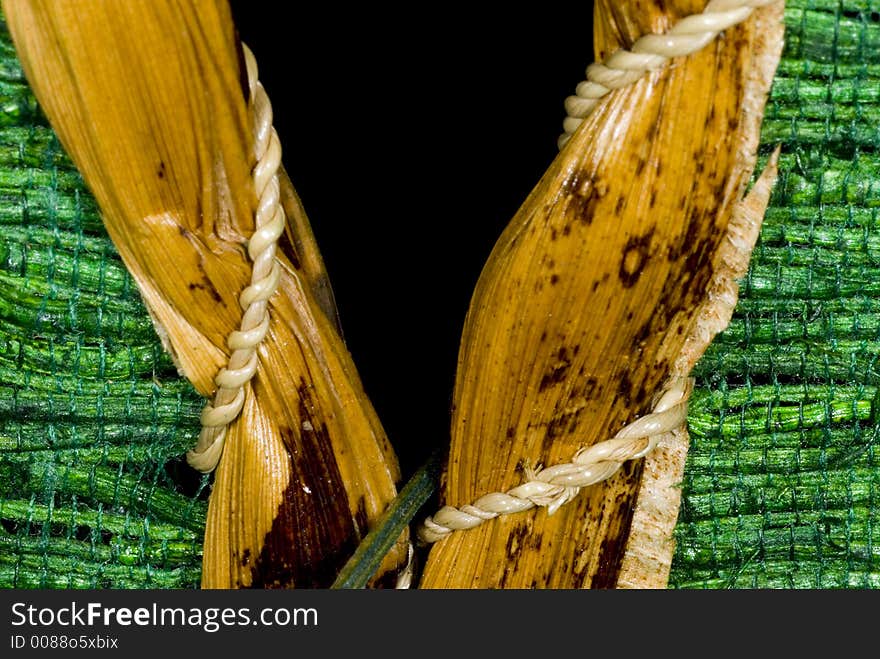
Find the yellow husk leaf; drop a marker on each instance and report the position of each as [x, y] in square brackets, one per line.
[147, 98]
[585, 305]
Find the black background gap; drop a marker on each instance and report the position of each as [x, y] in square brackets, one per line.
[412, 137]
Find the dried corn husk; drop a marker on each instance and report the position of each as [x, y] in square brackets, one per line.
[586, 305]
[150, 101]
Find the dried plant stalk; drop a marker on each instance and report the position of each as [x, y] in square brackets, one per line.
[150, 101]
[590, 299]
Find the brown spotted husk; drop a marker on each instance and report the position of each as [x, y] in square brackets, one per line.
[589, 296]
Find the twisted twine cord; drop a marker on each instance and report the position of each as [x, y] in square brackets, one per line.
[405, 577]
[269, 225]
[649, 53]
[270, 221]
[554, 486]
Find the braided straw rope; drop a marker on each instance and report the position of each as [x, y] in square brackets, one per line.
[553, 486]
[649, 53]
[269, 225]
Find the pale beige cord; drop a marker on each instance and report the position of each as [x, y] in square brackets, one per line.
[650, 52]
[553, 486]
[405, 578]
[269, 225]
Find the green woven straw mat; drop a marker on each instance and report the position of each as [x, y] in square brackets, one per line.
[782, 485]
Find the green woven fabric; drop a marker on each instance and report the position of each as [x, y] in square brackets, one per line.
[93, 416]
[781, 478]
[782, 485]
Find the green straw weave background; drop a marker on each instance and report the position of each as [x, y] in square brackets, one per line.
[782, 487]
[93, 416]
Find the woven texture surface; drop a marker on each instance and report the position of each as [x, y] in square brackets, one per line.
[781, 488]
[93, 416]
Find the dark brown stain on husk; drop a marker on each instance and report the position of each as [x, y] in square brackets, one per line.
[613, 545]
[636, 253]
[313, 533]
[557, 371]
[582, 194]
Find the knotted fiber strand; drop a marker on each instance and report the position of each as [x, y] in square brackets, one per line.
[148, 100]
